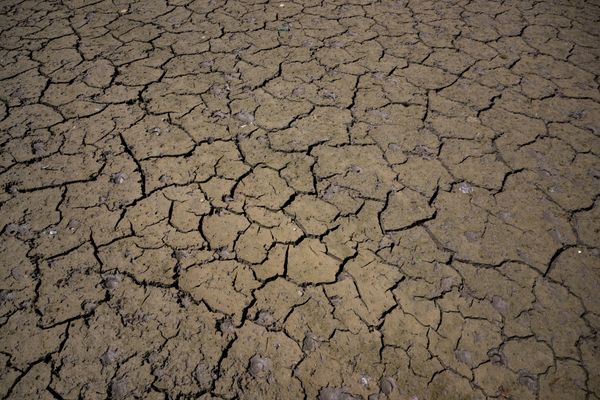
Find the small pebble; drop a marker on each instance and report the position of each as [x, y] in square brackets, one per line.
[464, 187]
[118, 178]
[364, 380]
[89, 306]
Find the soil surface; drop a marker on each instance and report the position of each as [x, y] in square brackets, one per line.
[299, 200]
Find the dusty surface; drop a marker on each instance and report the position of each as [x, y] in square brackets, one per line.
[299, 200]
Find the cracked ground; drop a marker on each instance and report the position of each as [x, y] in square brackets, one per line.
[300, 200]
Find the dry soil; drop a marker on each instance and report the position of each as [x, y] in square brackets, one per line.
[299, 200]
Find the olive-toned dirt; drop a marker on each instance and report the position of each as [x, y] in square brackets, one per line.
[300, 200]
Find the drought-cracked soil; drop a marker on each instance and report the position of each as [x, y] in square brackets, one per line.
[300, 200]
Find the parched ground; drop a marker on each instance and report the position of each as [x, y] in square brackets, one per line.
[327, 200]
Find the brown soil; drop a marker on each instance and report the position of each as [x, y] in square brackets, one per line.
[300, 200]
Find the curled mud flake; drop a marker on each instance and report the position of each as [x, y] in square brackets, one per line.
[164, 179]
[118, 178]
[73, 225]
[23, 230]
[446, 283]
[328, 94]
[496, 357]
[17, 273]
[226, 326]
[343, 275]
[298, 92]
[424, 152]
[330, 192]
[228, 199]
[88, 306]
[283, 28]
[38, 148]
[186, 301]
[576, 114]
[52, 231]
[223, 253]
[204, 375]
[259, 367]
[6, 295]
[215, 90]
[106, 154]
[557, 236]
[387, 385]
[310, 342]
[245, 117]
[380, 113]
[464, 356]
[335, 300]
[472, 236]
[112, 282]
[220, 115]
[108, 357]
[528, 380]
[329, 393]
[11, 229]
[155, 131]
[394, 147]
[118, 389]
[499, 304]
[356, 169]
[265, 319]
[464, 187]
[181, 254]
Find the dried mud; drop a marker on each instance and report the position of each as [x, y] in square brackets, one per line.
[300, 200]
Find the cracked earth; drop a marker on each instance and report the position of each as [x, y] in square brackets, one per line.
[299, 200]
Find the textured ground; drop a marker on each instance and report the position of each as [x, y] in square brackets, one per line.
[299, 200]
